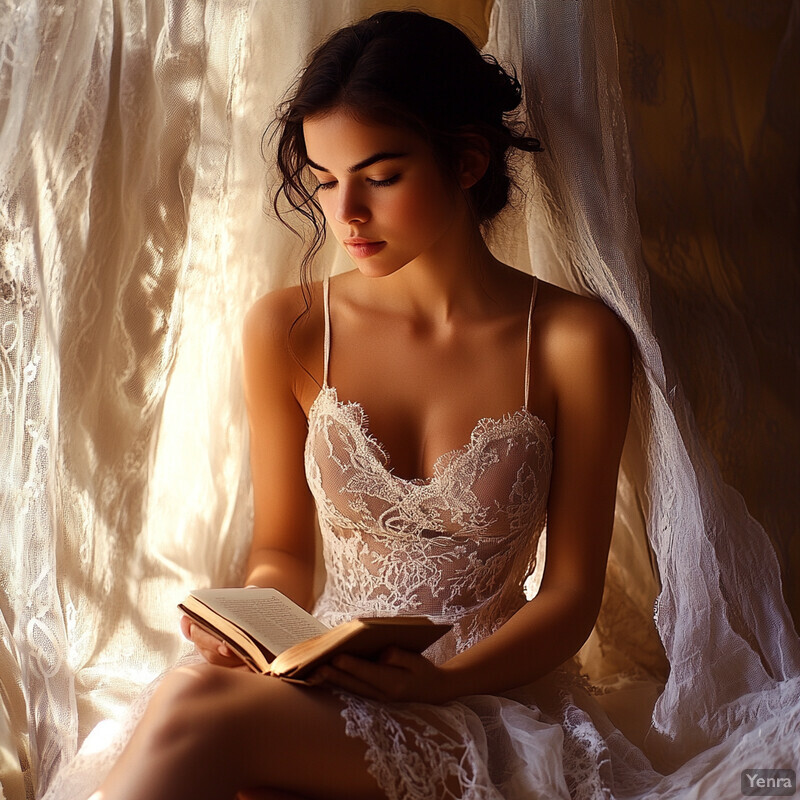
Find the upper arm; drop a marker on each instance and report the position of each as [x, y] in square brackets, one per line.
[590, 360]
[282, 504]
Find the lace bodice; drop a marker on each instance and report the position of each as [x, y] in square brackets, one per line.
[456, 547]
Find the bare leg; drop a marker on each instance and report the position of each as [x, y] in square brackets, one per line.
[210, 732]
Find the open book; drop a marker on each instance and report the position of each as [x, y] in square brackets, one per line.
[275, 636]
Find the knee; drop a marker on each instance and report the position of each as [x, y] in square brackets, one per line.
[186, 689]
[187, 709]
[195, 682]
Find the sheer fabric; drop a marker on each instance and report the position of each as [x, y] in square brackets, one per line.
[133, 237]
[456, 546]
[732, 650]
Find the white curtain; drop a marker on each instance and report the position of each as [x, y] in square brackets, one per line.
[134, 236]
[732, 650]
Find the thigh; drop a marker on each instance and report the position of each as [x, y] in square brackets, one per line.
[211, 732]
[294, 740]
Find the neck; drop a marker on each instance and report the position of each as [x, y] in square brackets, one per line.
[455, 278]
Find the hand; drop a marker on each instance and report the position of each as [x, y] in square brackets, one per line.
[398, 676]
[212, 649]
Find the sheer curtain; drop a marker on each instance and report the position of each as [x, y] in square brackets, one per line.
[134, 236]
[732, 649]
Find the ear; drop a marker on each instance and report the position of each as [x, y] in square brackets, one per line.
[473, 161]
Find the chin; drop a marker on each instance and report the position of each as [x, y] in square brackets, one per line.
[373, 269]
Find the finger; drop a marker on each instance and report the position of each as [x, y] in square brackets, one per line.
[224, 654]
[316, 678]
[215, 657]
[186, 627]
[210, 647]
[385, 682]
[330, 676]
[403, 659]
[363, 670]
[203, 639]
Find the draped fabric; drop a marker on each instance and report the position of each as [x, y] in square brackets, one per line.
[732, 650]
[133, 236]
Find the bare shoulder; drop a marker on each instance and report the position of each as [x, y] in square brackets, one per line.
[585, 350]
[272, 315]
[269, 324]
[277, 314]
[574, 327]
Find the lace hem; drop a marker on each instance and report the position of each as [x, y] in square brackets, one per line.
[413, 759]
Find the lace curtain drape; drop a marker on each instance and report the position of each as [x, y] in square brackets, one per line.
[133, 237]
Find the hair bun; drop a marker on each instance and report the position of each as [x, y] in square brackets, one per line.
[407, 69]
[503, 88]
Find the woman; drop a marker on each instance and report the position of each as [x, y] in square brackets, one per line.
[432, 406]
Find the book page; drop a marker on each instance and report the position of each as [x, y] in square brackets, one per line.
[265, 614]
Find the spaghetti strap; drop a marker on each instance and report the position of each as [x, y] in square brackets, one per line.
[327, 343]
[528, 342]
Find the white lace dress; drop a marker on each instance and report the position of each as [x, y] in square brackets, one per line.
[458, 548]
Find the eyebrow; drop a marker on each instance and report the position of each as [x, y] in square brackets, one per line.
[367, 162]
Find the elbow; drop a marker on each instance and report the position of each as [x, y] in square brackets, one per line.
[577, 619]
[587, 610]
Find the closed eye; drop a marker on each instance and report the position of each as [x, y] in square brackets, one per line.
[386, 182]
[322, 185]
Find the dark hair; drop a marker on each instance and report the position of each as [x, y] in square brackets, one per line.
[408, 69]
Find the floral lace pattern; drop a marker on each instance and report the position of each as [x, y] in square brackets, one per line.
[456, 547]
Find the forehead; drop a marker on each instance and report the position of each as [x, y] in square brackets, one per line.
[338, 140]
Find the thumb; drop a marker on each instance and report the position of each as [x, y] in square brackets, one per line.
[186, 627]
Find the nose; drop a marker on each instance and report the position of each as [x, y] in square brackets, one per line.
[350, 206]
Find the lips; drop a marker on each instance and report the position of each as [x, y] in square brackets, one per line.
[363, 248]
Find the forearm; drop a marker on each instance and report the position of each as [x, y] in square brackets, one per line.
[289, 574]
[539, 637]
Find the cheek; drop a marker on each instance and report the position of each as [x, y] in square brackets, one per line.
[326, 203]
[409, 213]
[425, 210]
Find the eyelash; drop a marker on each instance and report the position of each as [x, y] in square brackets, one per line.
[387, 182]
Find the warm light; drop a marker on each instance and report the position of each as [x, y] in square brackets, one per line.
[101, 737]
